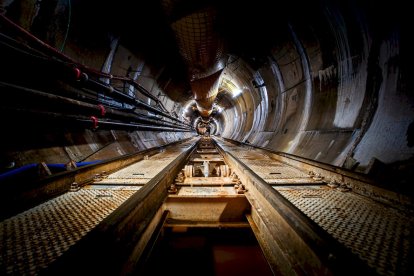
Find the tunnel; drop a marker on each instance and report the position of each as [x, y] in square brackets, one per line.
[269, 137]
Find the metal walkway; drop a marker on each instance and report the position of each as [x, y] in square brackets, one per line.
[30, 241]
[380, 235]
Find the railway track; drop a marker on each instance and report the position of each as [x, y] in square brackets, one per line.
[33, 239]
[373, 224]
[307, 217]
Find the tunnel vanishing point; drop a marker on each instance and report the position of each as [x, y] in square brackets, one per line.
[206, 137]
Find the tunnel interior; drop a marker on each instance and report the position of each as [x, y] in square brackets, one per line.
[327, 81]
[88, 83]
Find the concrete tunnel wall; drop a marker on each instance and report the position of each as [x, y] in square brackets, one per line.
[333, 88]
[96, 48]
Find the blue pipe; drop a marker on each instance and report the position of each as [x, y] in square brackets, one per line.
[81, 164]
[78, 164]
[27, 167]
[56, 166]
[17, 171]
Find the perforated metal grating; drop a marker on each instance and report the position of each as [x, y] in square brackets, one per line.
[265, 163]
[277, 172]
[143, 169]
[35, 238]
[379, 235]
[249, 155]
[122, 181]
[113, 187]
[270, 170]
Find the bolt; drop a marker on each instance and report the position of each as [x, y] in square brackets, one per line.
[74, 187]
[333, 184]
[241, 189]
[331, 257]
[172, 189]
[317, 177]
[343, 188]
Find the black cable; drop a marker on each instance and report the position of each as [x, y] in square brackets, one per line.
[34, 53]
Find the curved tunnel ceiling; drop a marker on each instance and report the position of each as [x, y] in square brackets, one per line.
[325, 80]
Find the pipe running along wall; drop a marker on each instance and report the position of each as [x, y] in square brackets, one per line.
[323, 80]
[72, 110]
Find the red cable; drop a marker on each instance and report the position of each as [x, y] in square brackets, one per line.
[67, 58]
[55, 51]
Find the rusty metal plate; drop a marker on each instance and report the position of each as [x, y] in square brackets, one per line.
[200, 181]
[210, 159]
[33, 239]
[207, 151]
[380, 235]
[207, 208]
[206, 191]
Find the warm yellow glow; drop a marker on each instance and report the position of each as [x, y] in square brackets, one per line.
[232, 87]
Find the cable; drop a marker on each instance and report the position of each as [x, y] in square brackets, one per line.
[68, 59]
